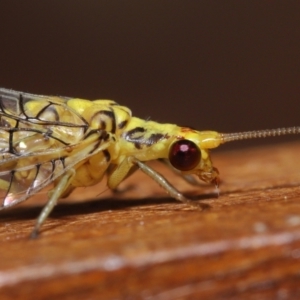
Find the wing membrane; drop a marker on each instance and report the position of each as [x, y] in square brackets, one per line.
[37, 133]
[18, 185]
[30, 123]
[24, 108]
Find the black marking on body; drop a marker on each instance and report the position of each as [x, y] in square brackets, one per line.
[91, 132]
[154, 138]
[135, 130]
[103, 136]
[122, 124]
[111, 115]
[138, 136]
[97, 144]
[106, 155]
[102, 125]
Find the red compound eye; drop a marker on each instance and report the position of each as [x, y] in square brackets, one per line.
[184, 155]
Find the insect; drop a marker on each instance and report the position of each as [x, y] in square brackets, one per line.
[74, 142]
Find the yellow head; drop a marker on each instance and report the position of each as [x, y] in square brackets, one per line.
[189, 153]
[189, 150]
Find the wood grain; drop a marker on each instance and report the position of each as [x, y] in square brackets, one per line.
[140, 244]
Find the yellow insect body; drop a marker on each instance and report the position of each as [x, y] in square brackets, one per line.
[74, 142]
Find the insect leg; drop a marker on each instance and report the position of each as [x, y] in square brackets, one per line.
[54, 196]
[166, 185]
[117, 176]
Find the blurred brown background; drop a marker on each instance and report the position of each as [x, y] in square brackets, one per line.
[221, 65]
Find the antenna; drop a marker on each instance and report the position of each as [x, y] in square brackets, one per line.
[229, 137]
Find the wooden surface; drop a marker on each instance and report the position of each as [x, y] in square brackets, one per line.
[140, 244]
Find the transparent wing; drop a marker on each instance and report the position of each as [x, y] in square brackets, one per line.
[36, 135]
[43, 110]
[23, 176]
[30, 123]
[17, 185]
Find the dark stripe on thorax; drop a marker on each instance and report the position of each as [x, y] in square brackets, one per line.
[122, 124]
[110, 114]
[135, 136]
[139, 138]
